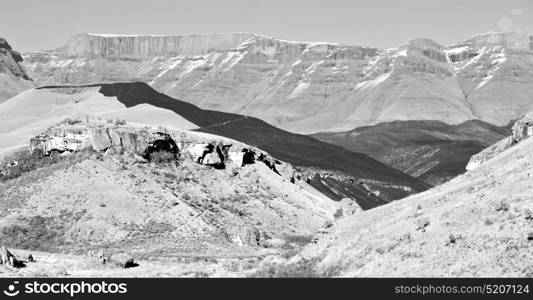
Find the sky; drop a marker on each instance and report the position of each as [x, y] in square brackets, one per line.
[38, 25]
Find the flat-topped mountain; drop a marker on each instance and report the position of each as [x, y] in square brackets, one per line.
[310, 87]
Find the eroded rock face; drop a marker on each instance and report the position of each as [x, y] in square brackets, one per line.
[102, 45]
[522, 129]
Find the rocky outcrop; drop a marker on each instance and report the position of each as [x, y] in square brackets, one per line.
[8, 259]
[310, 87]
[522, 129]
[243, 235]
[101, 137]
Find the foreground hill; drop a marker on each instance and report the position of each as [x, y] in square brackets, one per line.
[476, 225]
[432, 151]
[310, 87]
[368, 181]
[13, 77]
[117, 193]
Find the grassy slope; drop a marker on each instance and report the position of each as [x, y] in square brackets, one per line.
[487, 210]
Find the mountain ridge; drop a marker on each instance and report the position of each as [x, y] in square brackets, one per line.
[429, 150]
[13, 77]
[309, 87]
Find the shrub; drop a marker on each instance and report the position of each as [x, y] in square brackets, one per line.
[300, 240]
[162, 157]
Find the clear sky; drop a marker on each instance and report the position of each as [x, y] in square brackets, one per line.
[47, 24]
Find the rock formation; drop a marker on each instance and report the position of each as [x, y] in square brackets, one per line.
[122, 260]
[243, 235]
[432, 151]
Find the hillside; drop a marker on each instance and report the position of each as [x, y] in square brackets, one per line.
[479, 224]
[299, 150]
[432, 151]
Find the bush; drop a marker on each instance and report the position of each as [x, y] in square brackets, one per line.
[70, 121]
[162, 157]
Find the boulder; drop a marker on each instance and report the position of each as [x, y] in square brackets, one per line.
[243, 235]
[8, 259]
[122, 260]
[348, 207]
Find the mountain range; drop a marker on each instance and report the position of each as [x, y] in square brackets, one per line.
[309, 87]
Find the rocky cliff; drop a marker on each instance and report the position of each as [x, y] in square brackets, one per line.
[310, 87]
[13, 77]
